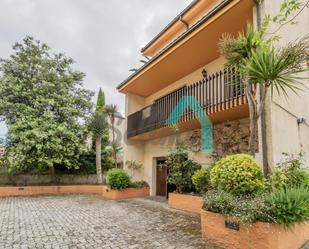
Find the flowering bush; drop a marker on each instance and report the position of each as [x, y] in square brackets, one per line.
[246, 209]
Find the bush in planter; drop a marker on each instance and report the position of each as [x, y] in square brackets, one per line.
[298, 178]
[292, 167]
[239, 174]
[289, 174]
[180, 170]
[201, 179]
[245, 209]
[219, 201]
[118, 179]
[139, 184]
[275, 180]
[288, 206]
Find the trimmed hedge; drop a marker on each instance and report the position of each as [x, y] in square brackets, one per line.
[239, 174]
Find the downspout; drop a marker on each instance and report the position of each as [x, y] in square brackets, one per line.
[184, 22]
[263, 116]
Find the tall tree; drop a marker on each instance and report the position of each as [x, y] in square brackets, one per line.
[101, 100]
[111, 111]
[100, 107]
[98, 126]
[43, 104]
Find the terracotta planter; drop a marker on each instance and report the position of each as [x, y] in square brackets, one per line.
[258, 236]
[47, 190]
[127, 193]
[185, 202]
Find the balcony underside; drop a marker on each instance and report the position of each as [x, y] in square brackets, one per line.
[234, 110]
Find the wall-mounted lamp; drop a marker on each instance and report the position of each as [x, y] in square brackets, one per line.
[301, 121]
[204, 73]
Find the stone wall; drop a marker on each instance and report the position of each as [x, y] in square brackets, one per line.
[28, 180]
[231, 137]
[228, 138]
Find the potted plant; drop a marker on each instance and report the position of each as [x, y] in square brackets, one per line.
[119, 186]
[180, 170]
[252, 211]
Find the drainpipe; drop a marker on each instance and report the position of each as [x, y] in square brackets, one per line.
[184, 22]
[263, 116]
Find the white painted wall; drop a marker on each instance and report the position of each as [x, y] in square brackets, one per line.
[285, 135]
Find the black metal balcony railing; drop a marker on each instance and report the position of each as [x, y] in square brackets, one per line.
[216, 92]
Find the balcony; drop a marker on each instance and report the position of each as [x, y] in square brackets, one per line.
[220, 96]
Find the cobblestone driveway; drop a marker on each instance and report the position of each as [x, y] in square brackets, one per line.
[80, 221]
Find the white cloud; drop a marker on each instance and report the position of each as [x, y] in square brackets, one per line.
[103, 37]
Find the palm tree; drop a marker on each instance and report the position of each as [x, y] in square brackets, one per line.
[98, 125]
[262, 67]
[111, 111]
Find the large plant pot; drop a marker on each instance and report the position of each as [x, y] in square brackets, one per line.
[219, 231]
[127, 193]
[185, 202]
[47, 190]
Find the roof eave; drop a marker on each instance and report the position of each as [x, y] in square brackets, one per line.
[183, 35]
[188, 8]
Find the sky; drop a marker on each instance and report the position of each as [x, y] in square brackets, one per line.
[103, 37]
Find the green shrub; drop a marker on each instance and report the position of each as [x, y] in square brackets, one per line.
[180, 170]
[277, 179]
[287, 206]
[219, 201]
[245, 209]
[118, 179]
[288, 174]
[87, 166]
[139, 184]
[292, 167]
[298, 178]
[201, 179]
[239, 174]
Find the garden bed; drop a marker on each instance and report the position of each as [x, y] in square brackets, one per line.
[46, 190]
[185, 202]
[258, 235]
[127, 193]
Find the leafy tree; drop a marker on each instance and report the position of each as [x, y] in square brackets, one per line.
[44, 105]
[98, 125]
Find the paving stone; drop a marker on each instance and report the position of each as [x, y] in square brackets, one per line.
[81, 221]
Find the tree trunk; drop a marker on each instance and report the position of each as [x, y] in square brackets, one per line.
[98, 162]
[113, 130]
[115, 157]
[252, 137]
[53, 175]
[253, 122]
[114, 148]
